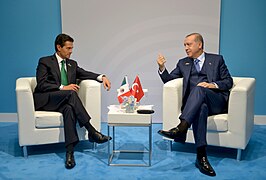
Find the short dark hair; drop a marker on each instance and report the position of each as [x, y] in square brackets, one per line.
[61, 39]
[198, 38]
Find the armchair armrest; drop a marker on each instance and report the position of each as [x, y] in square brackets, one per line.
[25, 105]
[241, 107]
[25, 102]
[90, 95]
[172, 102]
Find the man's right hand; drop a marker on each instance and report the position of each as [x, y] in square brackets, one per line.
[73, 87]
[161, 60]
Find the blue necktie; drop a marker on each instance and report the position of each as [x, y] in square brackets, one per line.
[196, 63]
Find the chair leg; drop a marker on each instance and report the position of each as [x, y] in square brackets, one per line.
[94, 146]
[25, 151]
[238, 157]
[170, 145]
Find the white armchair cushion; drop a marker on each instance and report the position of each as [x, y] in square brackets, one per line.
[217, 123]
[46, 119]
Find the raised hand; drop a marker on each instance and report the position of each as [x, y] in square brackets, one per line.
[161, 61]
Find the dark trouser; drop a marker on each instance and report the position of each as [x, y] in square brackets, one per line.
[202, 102]
[68, 103]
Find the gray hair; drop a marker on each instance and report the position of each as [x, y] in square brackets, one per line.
[198, 38]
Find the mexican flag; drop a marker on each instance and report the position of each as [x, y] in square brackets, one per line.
[123, 90]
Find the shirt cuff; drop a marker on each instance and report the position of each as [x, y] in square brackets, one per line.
[216, 85]
[161, 72]
[61, 87]
[100, 77]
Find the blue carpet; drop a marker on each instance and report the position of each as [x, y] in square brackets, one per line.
[47, 161]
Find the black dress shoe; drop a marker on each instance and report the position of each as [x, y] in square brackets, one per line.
[175, 134]
[70, 160]
[98, 137]
[204, 166]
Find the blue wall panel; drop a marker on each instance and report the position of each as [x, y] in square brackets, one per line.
[28, 29]
[242, 43]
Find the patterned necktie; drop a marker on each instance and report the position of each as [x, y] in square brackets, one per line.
[196, 63]
[64, 80]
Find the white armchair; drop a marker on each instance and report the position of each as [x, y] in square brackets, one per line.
[232, 130]
[45, 127]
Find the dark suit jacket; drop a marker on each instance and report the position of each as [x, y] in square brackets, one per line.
[217, 72]
[49, 77]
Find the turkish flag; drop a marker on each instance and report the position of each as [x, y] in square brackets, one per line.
[136, 89]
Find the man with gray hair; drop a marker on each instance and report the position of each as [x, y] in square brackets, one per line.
[206, 85]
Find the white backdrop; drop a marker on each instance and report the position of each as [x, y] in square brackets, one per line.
[124, 37]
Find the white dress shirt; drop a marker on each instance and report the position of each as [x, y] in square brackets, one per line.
[59, 59]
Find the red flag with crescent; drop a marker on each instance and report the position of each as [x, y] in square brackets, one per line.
[136, 89]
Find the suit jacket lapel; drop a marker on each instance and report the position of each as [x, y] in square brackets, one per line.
[187, 69]
[209, 67]
[187, 66]
[56, 67]
[69, 71]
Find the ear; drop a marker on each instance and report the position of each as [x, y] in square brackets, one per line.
[58, 47]
[200, 45]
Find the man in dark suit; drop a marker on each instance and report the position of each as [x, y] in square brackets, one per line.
[206, 85]
[57, 89]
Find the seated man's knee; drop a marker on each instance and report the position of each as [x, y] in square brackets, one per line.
[204, 107]
[198, 90]
[68, 108]
[72, 93]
